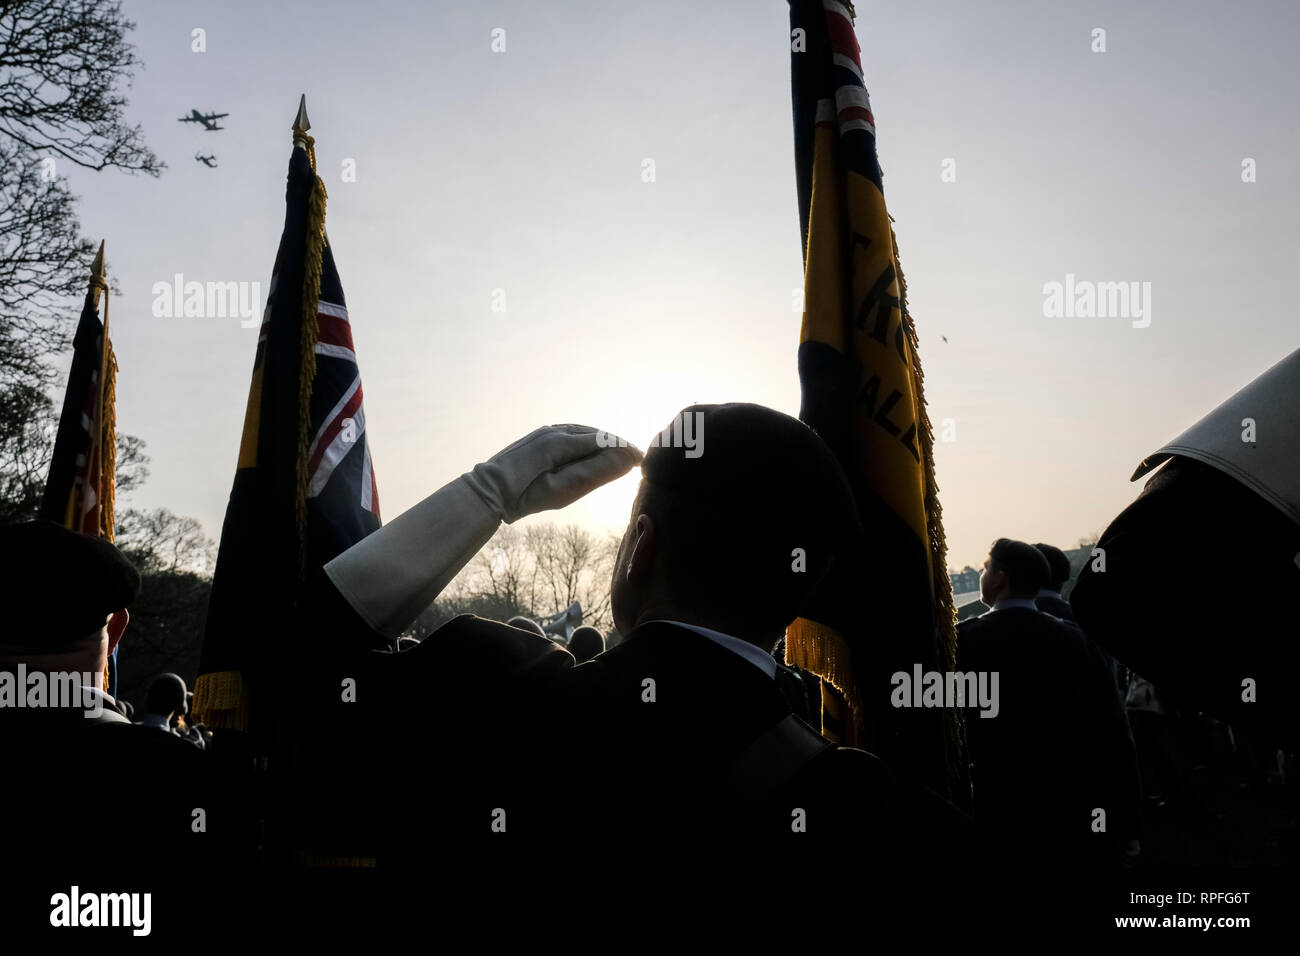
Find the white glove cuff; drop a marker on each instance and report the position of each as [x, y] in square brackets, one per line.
[390, 576]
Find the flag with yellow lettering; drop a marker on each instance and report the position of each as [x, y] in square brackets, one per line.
[890, 608]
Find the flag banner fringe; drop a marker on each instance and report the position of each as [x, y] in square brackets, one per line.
[945, 613]
[108, 442]
[823, 651]
[221, 701]
[313, 265]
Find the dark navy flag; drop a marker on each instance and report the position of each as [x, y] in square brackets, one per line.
[305, 487]
[79, 488]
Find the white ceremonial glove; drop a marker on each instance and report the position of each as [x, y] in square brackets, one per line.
[390, 576]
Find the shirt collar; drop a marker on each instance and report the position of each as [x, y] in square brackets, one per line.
[1049, 593]
[1005, 604]
[750, 652]
[156, 721]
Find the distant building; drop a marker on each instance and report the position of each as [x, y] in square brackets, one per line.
[965, 580]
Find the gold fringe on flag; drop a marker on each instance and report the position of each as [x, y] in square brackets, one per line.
[220, 701]
[105, 443]
[108, 441]
[945, 613]
[823, 651]
[313, 264]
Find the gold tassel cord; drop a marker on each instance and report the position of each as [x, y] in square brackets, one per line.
[313, 264]
[108, 442]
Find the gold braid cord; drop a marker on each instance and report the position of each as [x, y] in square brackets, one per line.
[946, 615]
[313, 263]
[108, 442]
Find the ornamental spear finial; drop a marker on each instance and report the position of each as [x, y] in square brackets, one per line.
[301, 124]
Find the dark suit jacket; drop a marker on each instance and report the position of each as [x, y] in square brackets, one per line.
[580, 755]
[84, 795]
[1059, 746]
[1057, 607]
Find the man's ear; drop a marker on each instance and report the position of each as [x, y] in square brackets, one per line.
[640, 563]
[117, 622]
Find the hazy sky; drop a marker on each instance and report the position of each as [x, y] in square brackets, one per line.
[627, 300]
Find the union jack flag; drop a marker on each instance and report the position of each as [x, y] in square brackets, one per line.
[340, 473]
[305, 487]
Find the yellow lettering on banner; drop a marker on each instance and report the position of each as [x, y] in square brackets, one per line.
[887, 413]
[869, 327]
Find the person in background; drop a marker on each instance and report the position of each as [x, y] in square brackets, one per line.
[585, 643]
[1049, 595]
[164, 702]
[1053, 769]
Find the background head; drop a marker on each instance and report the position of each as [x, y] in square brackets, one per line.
[526, 624]
[67, 595]
[1013, 569]
[166, 696]
[586, 643]
[740, 513]
[1058, 565]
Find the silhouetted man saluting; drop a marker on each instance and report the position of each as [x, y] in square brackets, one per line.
[680, 731]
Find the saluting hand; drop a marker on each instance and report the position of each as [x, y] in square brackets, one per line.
[550, 468]
[390, 576]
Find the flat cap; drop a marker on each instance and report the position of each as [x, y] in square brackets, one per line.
[58, 586]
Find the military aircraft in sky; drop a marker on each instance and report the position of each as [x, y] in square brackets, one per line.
[208, 161]
[209, 120]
